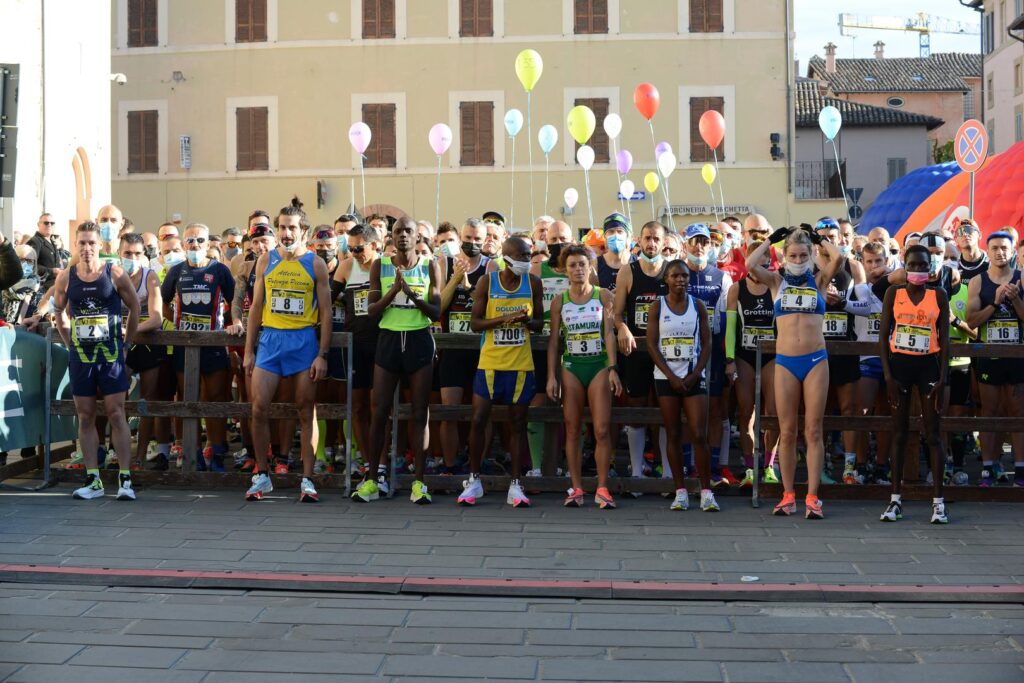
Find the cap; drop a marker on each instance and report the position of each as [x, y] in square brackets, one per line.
[594, 238]
[617, 220]
[697, 230]
[232, 232]
[493, 217]
[827, 224]
[261, 230]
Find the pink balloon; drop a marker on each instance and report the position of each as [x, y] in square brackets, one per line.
[623, 161]
[440, 138]
[359, 135]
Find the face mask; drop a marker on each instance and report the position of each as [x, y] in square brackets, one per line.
[107, 232]
[290, 248]
[712, 256]
[193, 257]
[150, 252]
[844, 250]
[342, 244]
[934, 264]
[726, 248]
[697, 261]
[540, 245]
[797, 269]
[129, 265]
[520, 268]
[173, 258]
[555, 250]
[653, 260]
[325, 255]
[616, 243]
[28, 270]
[232, 252]
[449, 249]
[471, 249]
[917, 278]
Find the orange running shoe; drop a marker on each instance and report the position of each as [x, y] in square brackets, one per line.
[574, 498]
[604, 499]
[813, 504]
[787, 506]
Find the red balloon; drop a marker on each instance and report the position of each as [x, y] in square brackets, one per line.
[647, 100]
[712, 128]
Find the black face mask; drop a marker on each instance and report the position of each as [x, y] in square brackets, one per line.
[150, 252]
[250, 256]
[325, 255]
[555, 250]
[471, 249]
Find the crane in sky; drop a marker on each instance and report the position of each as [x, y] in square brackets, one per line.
[922, 23]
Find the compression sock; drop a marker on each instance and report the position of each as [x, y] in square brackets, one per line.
[535, 440]
[635, 440]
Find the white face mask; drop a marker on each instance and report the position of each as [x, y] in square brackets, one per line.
[520, 268]
[797, 269]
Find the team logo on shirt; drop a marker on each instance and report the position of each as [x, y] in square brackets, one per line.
[208, 278]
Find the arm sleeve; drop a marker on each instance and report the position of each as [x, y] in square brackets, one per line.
[336, 289]
[731, 323]
[862, 304]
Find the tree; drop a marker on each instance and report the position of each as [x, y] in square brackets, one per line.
[944, 153]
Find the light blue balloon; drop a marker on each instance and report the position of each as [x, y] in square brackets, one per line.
[547, 136]
[513, 122]
[830, 121]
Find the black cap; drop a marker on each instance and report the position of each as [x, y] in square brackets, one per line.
[493, 217]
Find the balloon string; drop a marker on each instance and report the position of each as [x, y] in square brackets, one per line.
[629, 212]
[618, 176]
[590, 210]
[654, 216]
[718, 177]
[839, 170]
[362, 175]
[664, 180]
[512, 203]
[437, 203]
[547, 170]
[529, 149]
[714, 203]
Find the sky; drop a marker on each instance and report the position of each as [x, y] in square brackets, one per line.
[816, 23]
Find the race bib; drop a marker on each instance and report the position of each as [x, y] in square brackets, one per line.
[834, 324]
[290, 302]
[194, 323]
[361, 302]
[752, 335]
[458, 322]
[338, 315]
[509, 336]
[640, 315]
[585, 344]
[1002, 332]
[677, 349]
[913, 339]
[874, 326]
[403, 301]
[92, 328]
[799, 299]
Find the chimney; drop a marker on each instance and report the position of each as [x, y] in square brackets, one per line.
[830, 58]
[879, 50]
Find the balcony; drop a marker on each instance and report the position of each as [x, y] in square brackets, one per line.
[818, 180]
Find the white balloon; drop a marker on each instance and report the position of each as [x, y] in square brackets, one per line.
[571, 197]
[667, 164]
[612, 125]
[627, 188]
[585, 155]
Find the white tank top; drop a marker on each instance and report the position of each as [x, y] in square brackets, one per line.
[678, 338]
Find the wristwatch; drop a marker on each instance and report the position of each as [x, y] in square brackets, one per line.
[324, 354]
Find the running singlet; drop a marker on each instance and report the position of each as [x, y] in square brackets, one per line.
[198, 295]
[507, 347]
[756, 317]
[606, 275]
[554, 284]
[358, 320]
[402, 315]
[679, 338]
[799, 295]
[142, 291]
[1004, 325]
[914, 326]
[969, 269]
[290, 292]
[95, 312]
[708, 285]
[644, 291]
[582, 328]
[958, 308]
[337, 307]
[837, 324]
[460, 310]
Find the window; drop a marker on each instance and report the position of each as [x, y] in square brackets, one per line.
[1018, 7]
[991, 126]
[591, 16]
[142, 23]
[897, 169]
[699, 151]
[987, 23]
[917, 77]
[382, 152]
[990, 91]
[476, 128]
[869, 78]
[250, 21]
[706, 16]
[969, 104]
[1017, 82]
[143, 142]
[252, 133]
[895, 102]
[476, 18]
[599, 140]
[378, 19]
[1018, 124]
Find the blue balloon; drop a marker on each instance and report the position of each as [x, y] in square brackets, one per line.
[513, 122]
[830, 121]
[547, 136]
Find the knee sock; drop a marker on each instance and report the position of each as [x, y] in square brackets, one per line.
[635, 440]
[666, 468]
[535, 439]
[321, 440]
[726, 434]
[716, 454]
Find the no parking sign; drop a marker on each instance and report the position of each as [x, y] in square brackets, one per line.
[970, 147]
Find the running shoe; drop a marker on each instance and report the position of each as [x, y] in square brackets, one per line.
[770, 476]
[124, 488]
[748, 480]
[383, 482]
[358, 467]
[882, 478]
[93, 488]
[633, 494]
[708, 502]
[729, 477]
[939, 514]
[213, 459]
[786, 506]
[260, 485]
[813, 505]
[851, 475]
[987, 479]
[719, 482]
[108, 458]
[603, 499]
[826, 478]
[281, 467]
[893, 512]
[321, 467]
[420, 495]
[533, 473]
[516, 498]
[573, 498]
[178, 453]
[307, 492]
[960, 478]
[681, 501]
[472, 490]
[366, 492]
[77, 461]
[240, 457]
[1001, 474]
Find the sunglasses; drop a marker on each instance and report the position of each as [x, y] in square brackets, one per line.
[195, 240]
[357, 250]
[894, 252]
[49, 223]
[324, 235]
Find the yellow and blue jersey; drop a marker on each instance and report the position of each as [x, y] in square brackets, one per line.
[290, 292]
[507, 347]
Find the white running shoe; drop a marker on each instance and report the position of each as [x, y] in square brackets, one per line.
[893, 512]
[708, 502]
[125, 490]
[307, 492]
[533, 473]
[472, 490]
[516, 498]
[682, 500]
[383, 483]
[93, 488]
[939, 514]
[260, 485]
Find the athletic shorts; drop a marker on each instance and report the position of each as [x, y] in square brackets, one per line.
[637, 374]
[336, 364]
[960, 385]
[716, 369]
[362, 365]
[287, 352]
[458, 368]
[662, 388]
[211, 359]
[141, 358]
[90, 379]
[915, 371]
[843, 370]
[999, 371]
[405, 353]
[871, 368]
[540, 363]
[506, 387]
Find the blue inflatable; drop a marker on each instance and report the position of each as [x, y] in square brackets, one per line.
[894, 206]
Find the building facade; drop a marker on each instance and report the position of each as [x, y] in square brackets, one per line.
[263, 93]
[1002, 35]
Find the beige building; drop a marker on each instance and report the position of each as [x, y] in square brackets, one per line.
[1002, 30]
[239, 104]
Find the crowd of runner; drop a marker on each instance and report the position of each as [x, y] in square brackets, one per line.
[637, 316]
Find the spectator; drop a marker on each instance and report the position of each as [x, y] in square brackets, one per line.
[48, 259]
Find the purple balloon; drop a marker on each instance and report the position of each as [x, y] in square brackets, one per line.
[624, 161]
[661, 149]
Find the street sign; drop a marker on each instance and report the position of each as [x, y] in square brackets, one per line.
[854, 194]
[856, 212]
[638, 196]
[970, 146]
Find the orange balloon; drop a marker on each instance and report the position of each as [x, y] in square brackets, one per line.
[712, 128]
[647, 100]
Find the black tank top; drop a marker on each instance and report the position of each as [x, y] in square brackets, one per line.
[606, 275]
[462, 301]
[969, 269]
[95, 312]
[644, 291]
[1004, 311]
[755, 311]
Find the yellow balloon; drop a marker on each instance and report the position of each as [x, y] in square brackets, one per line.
[708, 173]
[651, 182]
[529, 67]
[582, 123]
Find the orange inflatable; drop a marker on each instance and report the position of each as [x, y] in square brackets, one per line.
[998, 192]
[938, 207]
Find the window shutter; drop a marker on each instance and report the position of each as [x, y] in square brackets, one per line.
[135, 23]
[599, 140]
[151, 142]
[476, 126]
[698, 150]
[698, 16]
[135, 142]
[243, 138]
[142, 23]
[382, 152]
[582, 16]
[484, 18]
[386, 24]
[243, 21]
[476, 18]
[260, 139]
[599, 16]
[371, 23]
[467, 18]
[149, 18]
[259, 21]
[715, 18]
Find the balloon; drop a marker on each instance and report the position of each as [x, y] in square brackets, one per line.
[830, 121]
[646, 100]
[661, 149]
[651, 181]
[667, 164]
[529, 67]
[708, 173]
[547, 136]
[712, 128]
[440, 138]
[513, 122]
[582, 123]
[571, 196]
[585, 155]
[627, 188]
[359, 135]
[623, 161]
[612, 126]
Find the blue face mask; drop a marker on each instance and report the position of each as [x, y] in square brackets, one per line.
[697, 261]
[616, 243]
[173, 258]
[28, 270]
[844, 250]
[107, 232]
[129, 265]
[342, 244]
[193, 257]
[653, 260]
[712, 255]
